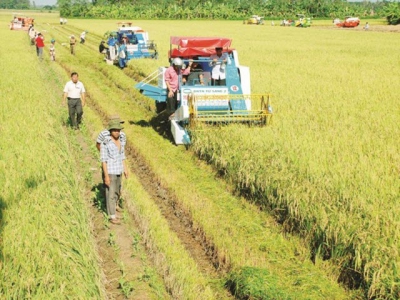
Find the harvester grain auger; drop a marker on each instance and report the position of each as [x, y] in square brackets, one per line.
[201, 102]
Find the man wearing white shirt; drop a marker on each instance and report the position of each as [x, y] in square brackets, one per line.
[218, 62]
[74, 91]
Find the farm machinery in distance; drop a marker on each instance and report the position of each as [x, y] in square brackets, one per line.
[201, 102]
[21, 23]
[303, 21]
[254, 20]
[137, 40]
[349, 22]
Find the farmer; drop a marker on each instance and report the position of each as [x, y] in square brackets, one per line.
[32, 35]
[74, 91]
[194, 73]
[72, 42]
[112, 156]
[83, 37]
[218, 63]
[52, 50]
[171, 76]
[39, 45]
[122, 54]
[111, 45]
[105, 134]
[103, 49]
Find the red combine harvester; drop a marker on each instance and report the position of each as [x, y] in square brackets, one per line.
[349, 22]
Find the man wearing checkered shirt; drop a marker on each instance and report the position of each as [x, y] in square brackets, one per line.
[112, 156]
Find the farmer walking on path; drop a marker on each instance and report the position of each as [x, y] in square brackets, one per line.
[112, 156]
[39, 45]
[74, 91]
[105, 134]
[72, 42]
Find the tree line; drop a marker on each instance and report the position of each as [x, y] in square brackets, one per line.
[219, 9]
[227, 9]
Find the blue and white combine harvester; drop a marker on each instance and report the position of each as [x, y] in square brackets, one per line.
[199, 100]
[138, 43]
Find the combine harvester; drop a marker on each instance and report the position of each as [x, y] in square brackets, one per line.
[254, 20]
[303, 21]
[138, 45]
[21, 23]
[200, 101]
[349, 22]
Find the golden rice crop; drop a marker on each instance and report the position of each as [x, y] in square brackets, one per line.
[330, 159]
[46, 247]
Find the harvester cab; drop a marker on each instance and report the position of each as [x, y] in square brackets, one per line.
[201, 101]
[138, 43]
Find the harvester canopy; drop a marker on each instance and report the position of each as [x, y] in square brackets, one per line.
[187, 47]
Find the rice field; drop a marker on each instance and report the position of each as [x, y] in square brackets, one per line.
[328, 168]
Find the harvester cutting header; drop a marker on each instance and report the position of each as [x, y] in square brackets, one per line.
[212, 86]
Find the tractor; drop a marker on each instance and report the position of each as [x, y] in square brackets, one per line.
[254, 20]
[201, 102]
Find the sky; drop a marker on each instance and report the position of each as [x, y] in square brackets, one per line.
[44, 2]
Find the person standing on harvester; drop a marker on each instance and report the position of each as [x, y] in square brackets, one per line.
[112, 156]
[74, 91]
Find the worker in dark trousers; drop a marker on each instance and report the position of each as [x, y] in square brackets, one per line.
[74, 91]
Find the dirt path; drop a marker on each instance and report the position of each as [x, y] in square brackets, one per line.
[123, 259]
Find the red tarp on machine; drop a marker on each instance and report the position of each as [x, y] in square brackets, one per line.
[197, 46]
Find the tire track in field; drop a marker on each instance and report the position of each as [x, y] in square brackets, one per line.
[202, 250]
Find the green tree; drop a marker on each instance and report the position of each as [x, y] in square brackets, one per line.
[14, 4]
[392, 13]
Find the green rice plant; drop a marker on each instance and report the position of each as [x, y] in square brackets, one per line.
[127, 287]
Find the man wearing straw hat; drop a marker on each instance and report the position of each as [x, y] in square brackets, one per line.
[105, 134]
[112, 156]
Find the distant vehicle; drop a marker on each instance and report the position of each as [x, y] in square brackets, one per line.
[349, 22]
[21, 23]
[139, 45]
[303, 21]
[254, 20]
